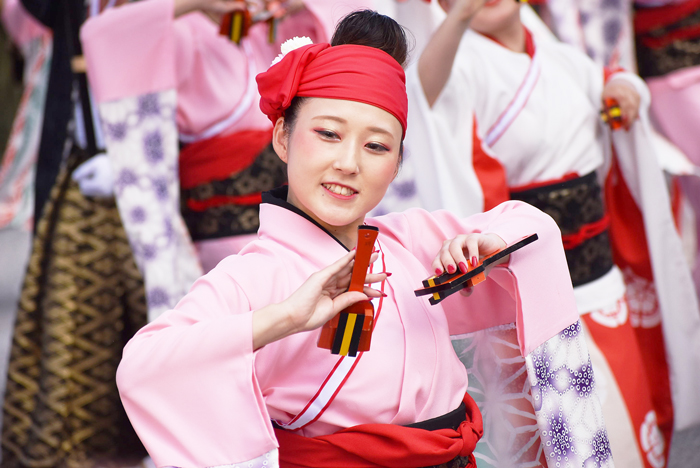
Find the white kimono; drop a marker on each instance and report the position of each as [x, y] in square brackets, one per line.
[546, 133]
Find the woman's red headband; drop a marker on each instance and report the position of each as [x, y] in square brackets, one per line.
[350, 72]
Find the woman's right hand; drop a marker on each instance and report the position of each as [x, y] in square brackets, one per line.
[462, 10]
[323, 295]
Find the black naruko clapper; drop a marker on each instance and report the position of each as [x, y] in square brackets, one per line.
[446, 284]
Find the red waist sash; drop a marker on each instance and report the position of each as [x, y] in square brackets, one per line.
[219, 157]
[383, 445]
[648, 19]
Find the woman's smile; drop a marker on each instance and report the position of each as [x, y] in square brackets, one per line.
[341, 157]
[340, 191]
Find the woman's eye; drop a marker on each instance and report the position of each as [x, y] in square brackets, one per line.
[377, 147]
[328, 134]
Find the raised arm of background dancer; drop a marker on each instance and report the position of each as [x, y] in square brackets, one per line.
[436, 60]
[212, 6]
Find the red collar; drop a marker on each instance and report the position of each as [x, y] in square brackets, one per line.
[529, 42]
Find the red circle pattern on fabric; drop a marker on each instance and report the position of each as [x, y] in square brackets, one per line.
[350, 72]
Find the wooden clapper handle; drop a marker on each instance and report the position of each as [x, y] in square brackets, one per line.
[351, 330]
[235, 25]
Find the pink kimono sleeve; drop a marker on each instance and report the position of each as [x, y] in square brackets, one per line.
[187, 380]
[534, 290]
[130, 50]
[140, 48]
[20, 24]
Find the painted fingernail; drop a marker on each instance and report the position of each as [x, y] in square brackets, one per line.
[450, 269]
[475, 261]
[383, 294]
[438, 272]
[463, 267]
[387, 274]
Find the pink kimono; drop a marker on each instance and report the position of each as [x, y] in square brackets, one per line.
[198, 395]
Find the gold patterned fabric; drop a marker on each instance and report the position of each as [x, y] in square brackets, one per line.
[573, 204]
[82, 299]
[590, 260]
[673, 55]
[232, 219]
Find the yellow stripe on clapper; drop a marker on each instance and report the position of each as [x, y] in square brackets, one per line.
[347, 335]
[237, 27]
[431, 282]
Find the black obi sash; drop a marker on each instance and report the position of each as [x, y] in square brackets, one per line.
[578, 209]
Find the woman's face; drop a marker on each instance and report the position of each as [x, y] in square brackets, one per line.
[341, 157]
[495, 16]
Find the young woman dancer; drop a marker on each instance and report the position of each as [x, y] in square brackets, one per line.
[234, 371]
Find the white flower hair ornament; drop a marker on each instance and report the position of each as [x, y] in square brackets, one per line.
[290, 45]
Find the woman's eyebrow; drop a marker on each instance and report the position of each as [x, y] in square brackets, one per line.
[343, 121]
[380, 130]
[329, 117]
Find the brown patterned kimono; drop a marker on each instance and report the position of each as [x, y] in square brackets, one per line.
[82, 299]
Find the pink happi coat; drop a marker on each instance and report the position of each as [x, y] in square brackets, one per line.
[157, 79]
[199, 395]
[142, 48]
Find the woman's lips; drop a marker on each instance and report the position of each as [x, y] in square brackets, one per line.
[342, 192]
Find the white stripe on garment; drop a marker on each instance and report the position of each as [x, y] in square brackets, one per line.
[333, 383]
[516, 105]
[324, 396]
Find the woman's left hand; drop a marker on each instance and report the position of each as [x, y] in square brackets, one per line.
[627, 98]
[455, 253]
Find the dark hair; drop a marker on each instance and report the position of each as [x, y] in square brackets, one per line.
[367, 28]
[291, 112]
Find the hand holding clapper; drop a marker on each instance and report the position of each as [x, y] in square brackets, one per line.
[351, 330]
[447, 284]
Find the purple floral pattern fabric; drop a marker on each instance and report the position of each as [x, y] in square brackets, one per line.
[602, 29]
[141, 139]
[538, 410]
[566, 403]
